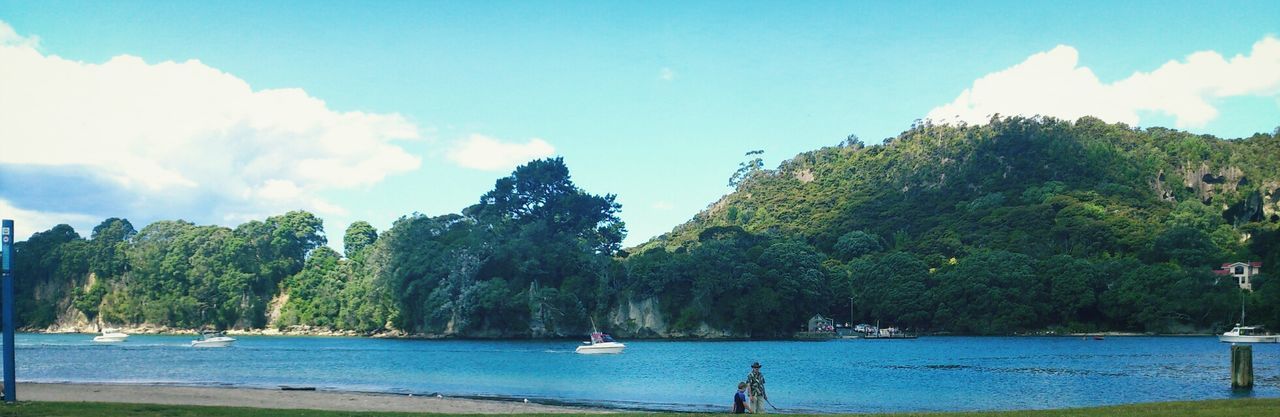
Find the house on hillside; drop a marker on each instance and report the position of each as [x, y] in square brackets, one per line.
[819, 328]
[1242, 271]
[817, 323]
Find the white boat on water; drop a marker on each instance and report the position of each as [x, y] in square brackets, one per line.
[600, 343]
[212, 339]
[1248, 334]
[110, 335]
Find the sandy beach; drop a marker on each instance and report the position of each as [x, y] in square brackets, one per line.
[268, 398]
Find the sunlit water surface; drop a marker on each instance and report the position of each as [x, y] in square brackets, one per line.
[931, 373]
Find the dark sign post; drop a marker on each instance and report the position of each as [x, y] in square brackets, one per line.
[6, 267]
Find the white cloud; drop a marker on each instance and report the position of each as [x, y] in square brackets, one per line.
[666, 74]
[29, 222]
[489, 154]
[184, 136]
[10, 37]
[662, 205]
[1052, 83]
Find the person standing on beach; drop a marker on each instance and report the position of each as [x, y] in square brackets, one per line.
[755, 385]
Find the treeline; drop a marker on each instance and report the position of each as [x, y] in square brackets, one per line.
[535, 256]
[172, 273]
[1021, 225]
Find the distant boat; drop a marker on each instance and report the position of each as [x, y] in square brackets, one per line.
[1248, 334]
[875, 332]
[110, 335]
[212, 339]
[890, 333]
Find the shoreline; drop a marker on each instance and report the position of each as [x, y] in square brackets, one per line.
[314, 332]
[361, 402]
[268, 398]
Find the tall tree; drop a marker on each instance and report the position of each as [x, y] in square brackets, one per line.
[360, 234]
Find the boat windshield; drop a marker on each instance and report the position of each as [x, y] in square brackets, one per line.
[606, 338]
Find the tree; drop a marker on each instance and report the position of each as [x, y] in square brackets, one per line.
[794, 273]
[748, 168]
[892, 287]
[1072, 286]
[853, 141]
[540, 197]
[1186, 246]
[857, 243]
[990, 292]
[109, 243]
[359, 235]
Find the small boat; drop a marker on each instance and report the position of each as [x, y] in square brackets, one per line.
[600, 343]
[212, 339]
[1248, 334]
[110, 335]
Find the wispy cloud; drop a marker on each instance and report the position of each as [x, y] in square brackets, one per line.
[666, 74]
[489, 154]
[662, 205]
[1053, 83]
[183, 139]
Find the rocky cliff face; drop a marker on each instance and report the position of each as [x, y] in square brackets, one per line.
[69, 319]
[1262, 204]
[1271, 200]
[643, 319]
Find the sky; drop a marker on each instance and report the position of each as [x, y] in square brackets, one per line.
[224, 112]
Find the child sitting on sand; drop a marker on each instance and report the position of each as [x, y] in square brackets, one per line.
[740, 400]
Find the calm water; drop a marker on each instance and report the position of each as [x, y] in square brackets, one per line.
[932, 373]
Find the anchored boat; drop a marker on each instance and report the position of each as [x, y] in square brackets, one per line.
[1248, 334]
[110, 335]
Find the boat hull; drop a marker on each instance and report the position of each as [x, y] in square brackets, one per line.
[110, 338]
[212, 343]
[601, 348]
[1249, 339]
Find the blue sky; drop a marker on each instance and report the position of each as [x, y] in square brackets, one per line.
[653, 101]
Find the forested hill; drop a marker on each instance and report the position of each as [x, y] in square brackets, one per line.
[1020, 225]
[1017, 225]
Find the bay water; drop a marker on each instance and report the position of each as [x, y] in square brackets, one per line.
[927, 374]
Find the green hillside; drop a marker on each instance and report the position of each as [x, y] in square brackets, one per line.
[1019, 225]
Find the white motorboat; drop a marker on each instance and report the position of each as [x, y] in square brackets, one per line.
[600, 343]
[212, 339]
[1248, 334]
[110, 335]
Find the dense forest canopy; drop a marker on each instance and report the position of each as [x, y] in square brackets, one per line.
[1019, 225]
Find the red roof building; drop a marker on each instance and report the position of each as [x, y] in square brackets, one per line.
[1242, 271]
